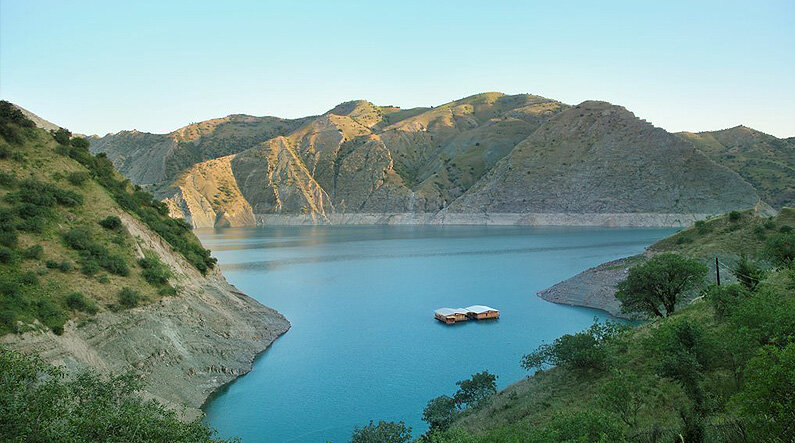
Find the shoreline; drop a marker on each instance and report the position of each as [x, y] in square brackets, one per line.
[648, 220]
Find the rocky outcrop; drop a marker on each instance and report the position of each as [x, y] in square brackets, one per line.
[182, 347]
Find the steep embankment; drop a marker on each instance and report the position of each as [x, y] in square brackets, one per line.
[726, 237]
[95, 275]
[763, 160]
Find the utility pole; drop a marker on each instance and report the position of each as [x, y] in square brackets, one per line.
[717, 271]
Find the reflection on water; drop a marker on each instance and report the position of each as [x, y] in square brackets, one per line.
[363, 343]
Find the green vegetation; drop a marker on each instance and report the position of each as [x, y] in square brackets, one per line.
[39, 403]
[658, 285]
[55, 218]
[152, 212]
[719, 369]
[383, 432]
[129, 298]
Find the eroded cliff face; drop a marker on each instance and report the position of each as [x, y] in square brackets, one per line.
[183, 347]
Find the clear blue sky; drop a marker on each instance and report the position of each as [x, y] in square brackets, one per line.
[104, 66]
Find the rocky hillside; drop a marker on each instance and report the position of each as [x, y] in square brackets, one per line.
[488, 158]
[147, 158]
[93, 273]
[763, 160]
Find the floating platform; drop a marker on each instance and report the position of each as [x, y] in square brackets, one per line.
[475, 312]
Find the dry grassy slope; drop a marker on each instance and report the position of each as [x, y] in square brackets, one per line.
[763, 160]
[600, 158]
[183, 346]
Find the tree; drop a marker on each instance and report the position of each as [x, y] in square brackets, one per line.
[780, 249]
[62, 136]
[582, 350]
[478, 388]
[767, 394]
[748, 273]
[440, 413]
[39, 403]
[625, 394]
[383, 432]
[656, 286]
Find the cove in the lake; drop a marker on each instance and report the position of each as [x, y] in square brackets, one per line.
[364, 344]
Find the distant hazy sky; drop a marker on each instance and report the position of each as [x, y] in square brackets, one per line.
[104, 66]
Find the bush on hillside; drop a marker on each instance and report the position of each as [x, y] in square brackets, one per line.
[154, 271]
[440, 412]
[78, 302]
[475, 390]
[32, 253]
[780, 249]
[42, 404]
[748, 273]
[62, 136]
[78, 178]
[129, 298]
[111, 222]
[383, 432]
[583, 350]
[13, 124]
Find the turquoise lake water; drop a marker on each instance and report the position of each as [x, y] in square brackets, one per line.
[363, 343]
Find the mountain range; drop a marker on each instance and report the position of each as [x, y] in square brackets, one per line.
[488, 158]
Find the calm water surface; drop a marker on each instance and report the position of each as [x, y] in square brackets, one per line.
[364, 344]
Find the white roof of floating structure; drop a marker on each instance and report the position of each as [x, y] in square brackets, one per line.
[444, 312]
[479, 309]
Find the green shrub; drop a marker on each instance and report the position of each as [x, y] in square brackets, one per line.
[78, 238]
[78, 178]
[780, 248]
[735, 216]
[748, 273]
[64, 266]
[111, 222]
[33, 253]
[702, 227]
[62, 136]
[154, 271]
[129, 298]
[80, 142]
[51, 315]
[770, 225]
[89, 266]
[8, 238]
[78, 302]
[29, 278]
[115, 264]
[51, 264]
[583, 350]
[440, 413]
[786, 229]
[7, 255]
[167, 291]
[383, 432]
[475, 390]
[42, 404]
[7, 180]
[725, 298]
